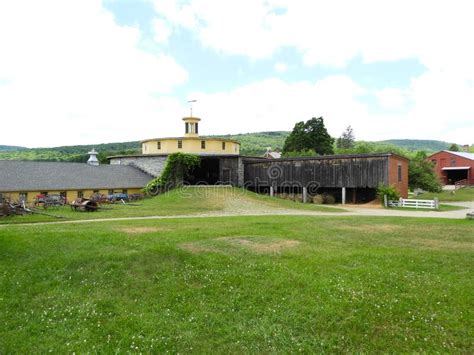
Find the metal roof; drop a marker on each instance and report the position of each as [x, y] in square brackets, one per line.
[59, 176]
[456, 168]
[462, 154]
[322, 157]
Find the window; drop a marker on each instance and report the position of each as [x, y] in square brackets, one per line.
[96, 191]
[80, 194]
[196, 128]
[44, 193]
[124, 191]
[203, 144]
[111, 192]
[223, 145]
[158, 145]
[434, 161]
[180, 144]
[23, 196]
[399, 172]
[187, 127]
[453, 162]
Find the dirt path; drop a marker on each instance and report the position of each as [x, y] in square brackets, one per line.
[245, 207]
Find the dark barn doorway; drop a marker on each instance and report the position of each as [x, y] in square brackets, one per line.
[454, 175]
[207, 173]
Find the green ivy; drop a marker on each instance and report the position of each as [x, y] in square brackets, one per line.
[178, 166]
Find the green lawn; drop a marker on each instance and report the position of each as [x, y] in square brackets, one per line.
[442, 208]
[185, 201]
[237, 285]
[465, 194]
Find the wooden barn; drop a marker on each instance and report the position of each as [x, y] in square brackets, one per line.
[349, 178]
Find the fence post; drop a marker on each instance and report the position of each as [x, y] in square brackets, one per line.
[400, 202]
[436, 200]
[305, 195]
[271, 191]
[385, 201]
[343, 195]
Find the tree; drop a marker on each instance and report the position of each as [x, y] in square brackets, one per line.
[309, 135]
[421, 174]
[454, 148]
[346, 140]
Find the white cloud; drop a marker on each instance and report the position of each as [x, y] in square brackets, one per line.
[391, 98]
[70, 68]
[333, 32]
[162, 30]
[280, 67]
[273, 104]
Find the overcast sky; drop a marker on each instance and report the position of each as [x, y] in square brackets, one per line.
[85, 72]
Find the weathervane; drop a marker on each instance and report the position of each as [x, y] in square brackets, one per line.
[191, 106]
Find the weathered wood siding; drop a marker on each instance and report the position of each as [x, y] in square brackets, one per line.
[233, 166]
[328, 172]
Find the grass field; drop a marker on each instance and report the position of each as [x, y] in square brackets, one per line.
[442, 208]
[465, 194]
[238, 284]
[185, 201]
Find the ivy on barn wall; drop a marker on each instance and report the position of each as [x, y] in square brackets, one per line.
[177, 168]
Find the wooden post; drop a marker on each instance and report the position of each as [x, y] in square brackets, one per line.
[436, 200]
[272, 192]
[343, 195]
[400, 202]
[305, 195]
[385, 200]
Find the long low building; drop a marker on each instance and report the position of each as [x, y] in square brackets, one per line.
[24, 180]
[351, 178]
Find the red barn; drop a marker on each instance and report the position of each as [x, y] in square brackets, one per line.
[453, 166]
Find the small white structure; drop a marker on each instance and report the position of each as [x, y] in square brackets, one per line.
[269, 154]
[93, 158]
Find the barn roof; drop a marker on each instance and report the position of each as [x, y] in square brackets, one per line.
[58, 176]
[462, 154]
[329, 157]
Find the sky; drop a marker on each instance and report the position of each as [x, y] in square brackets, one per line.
[90, 71]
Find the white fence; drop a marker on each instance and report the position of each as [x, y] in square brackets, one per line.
[431, 204]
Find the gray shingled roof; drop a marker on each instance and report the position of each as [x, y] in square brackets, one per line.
[48, 176]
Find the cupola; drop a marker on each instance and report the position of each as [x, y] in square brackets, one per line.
[191, 126]
[93, 158]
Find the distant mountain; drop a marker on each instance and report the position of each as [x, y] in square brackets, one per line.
[9, 148]
[251, 144]
[257, 143]
[418, 144]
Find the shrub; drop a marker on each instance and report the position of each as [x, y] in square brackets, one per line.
[390, 191]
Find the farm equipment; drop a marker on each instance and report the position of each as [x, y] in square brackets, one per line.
[84, 205]
[118, 197]
[8, 208]
[49, 201]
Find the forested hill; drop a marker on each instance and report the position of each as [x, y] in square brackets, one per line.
[418, 144]
[9, 148]
[253, 144]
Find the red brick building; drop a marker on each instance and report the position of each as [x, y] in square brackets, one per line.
[453, 166]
